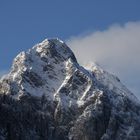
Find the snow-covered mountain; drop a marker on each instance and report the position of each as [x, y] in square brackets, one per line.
[51, 97]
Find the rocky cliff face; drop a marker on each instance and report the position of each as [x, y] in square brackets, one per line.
[48, 96]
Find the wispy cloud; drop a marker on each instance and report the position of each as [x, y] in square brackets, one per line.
[117, 49]
[3, 72]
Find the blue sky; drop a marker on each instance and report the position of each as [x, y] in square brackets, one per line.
[27, 22]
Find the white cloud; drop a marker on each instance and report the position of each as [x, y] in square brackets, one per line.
[117, 49]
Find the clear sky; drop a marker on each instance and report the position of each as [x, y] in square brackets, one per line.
[24, 23]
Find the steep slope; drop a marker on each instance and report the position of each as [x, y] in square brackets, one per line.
[48, 95]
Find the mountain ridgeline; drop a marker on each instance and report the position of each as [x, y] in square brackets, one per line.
[47, 95]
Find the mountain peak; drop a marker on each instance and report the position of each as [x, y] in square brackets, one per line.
[54, 48]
